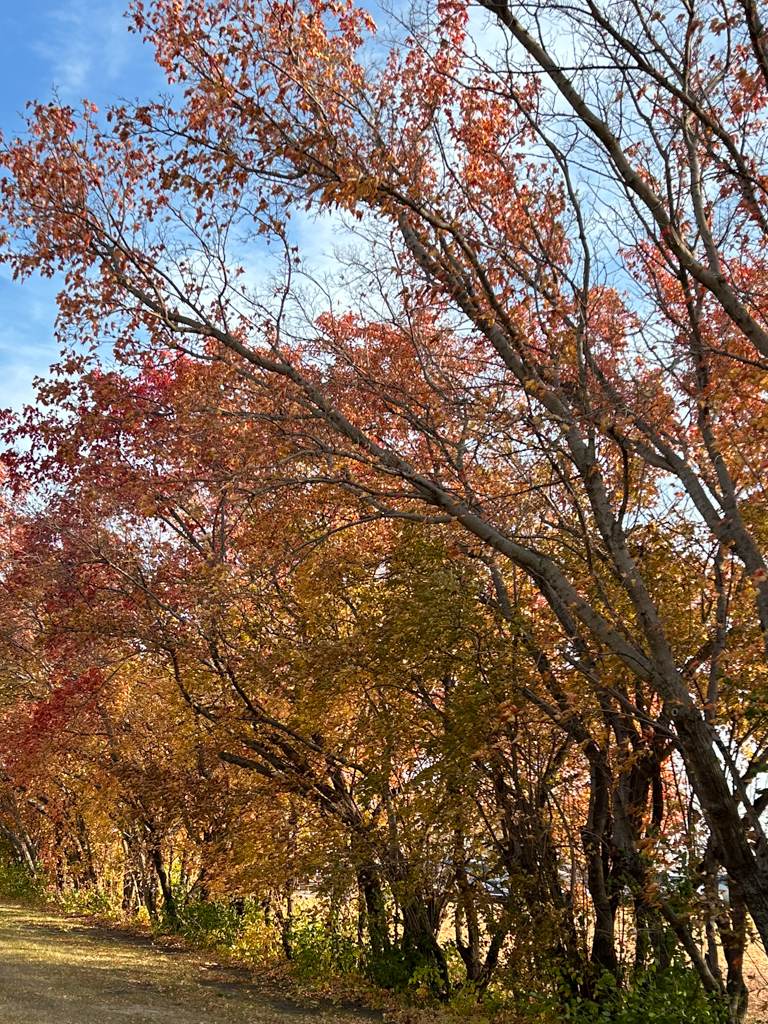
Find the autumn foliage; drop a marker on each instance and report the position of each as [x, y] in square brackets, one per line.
[431, 579]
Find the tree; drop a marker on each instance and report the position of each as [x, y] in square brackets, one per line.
[550, 338]
[328, 688]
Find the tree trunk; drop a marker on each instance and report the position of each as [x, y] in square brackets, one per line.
[169, 903]
[469, 950]
[418, 933]
[369, 885]
[733, 935]
[135, 862]
[725, 821]
[593, 841]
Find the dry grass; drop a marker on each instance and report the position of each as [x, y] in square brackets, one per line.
[74, 970]
[756, 976]
[56, 970]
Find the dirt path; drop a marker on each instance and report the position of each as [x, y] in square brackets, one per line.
[56, 970]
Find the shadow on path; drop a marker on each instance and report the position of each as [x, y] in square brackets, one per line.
[59, 971]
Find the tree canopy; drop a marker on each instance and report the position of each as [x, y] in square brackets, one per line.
[445, 561]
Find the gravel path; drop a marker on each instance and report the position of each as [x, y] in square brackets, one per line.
[57, 970]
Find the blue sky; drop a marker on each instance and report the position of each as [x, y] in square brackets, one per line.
[83, 48]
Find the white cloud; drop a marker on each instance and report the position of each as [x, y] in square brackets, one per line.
[84, 49]
[27, 348]
[88, 47]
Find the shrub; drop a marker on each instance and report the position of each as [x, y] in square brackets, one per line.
[209, 922]
[87, 901]
[320, 947]
[648, 997]
[16, 883]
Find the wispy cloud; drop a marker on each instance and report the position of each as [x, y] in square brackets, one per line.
[87, 46]
[27, 347]
[84, 49]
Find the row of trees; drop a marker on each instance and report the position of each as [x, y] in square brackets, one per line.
[209, 696]
[452, 560]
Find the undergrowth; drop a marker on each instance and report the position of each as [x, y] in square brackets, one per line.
[16, 883]
[325, 955]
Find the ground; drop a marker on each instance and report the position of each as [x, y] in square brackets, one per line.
[56, 970]
[60, 970]
[756, 974]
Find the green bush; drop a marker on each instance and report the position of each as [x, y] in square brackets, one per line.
[16, 883]
[87, 901]
[320, 947]
[210, 922]
[399, 967]
[648, 997]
